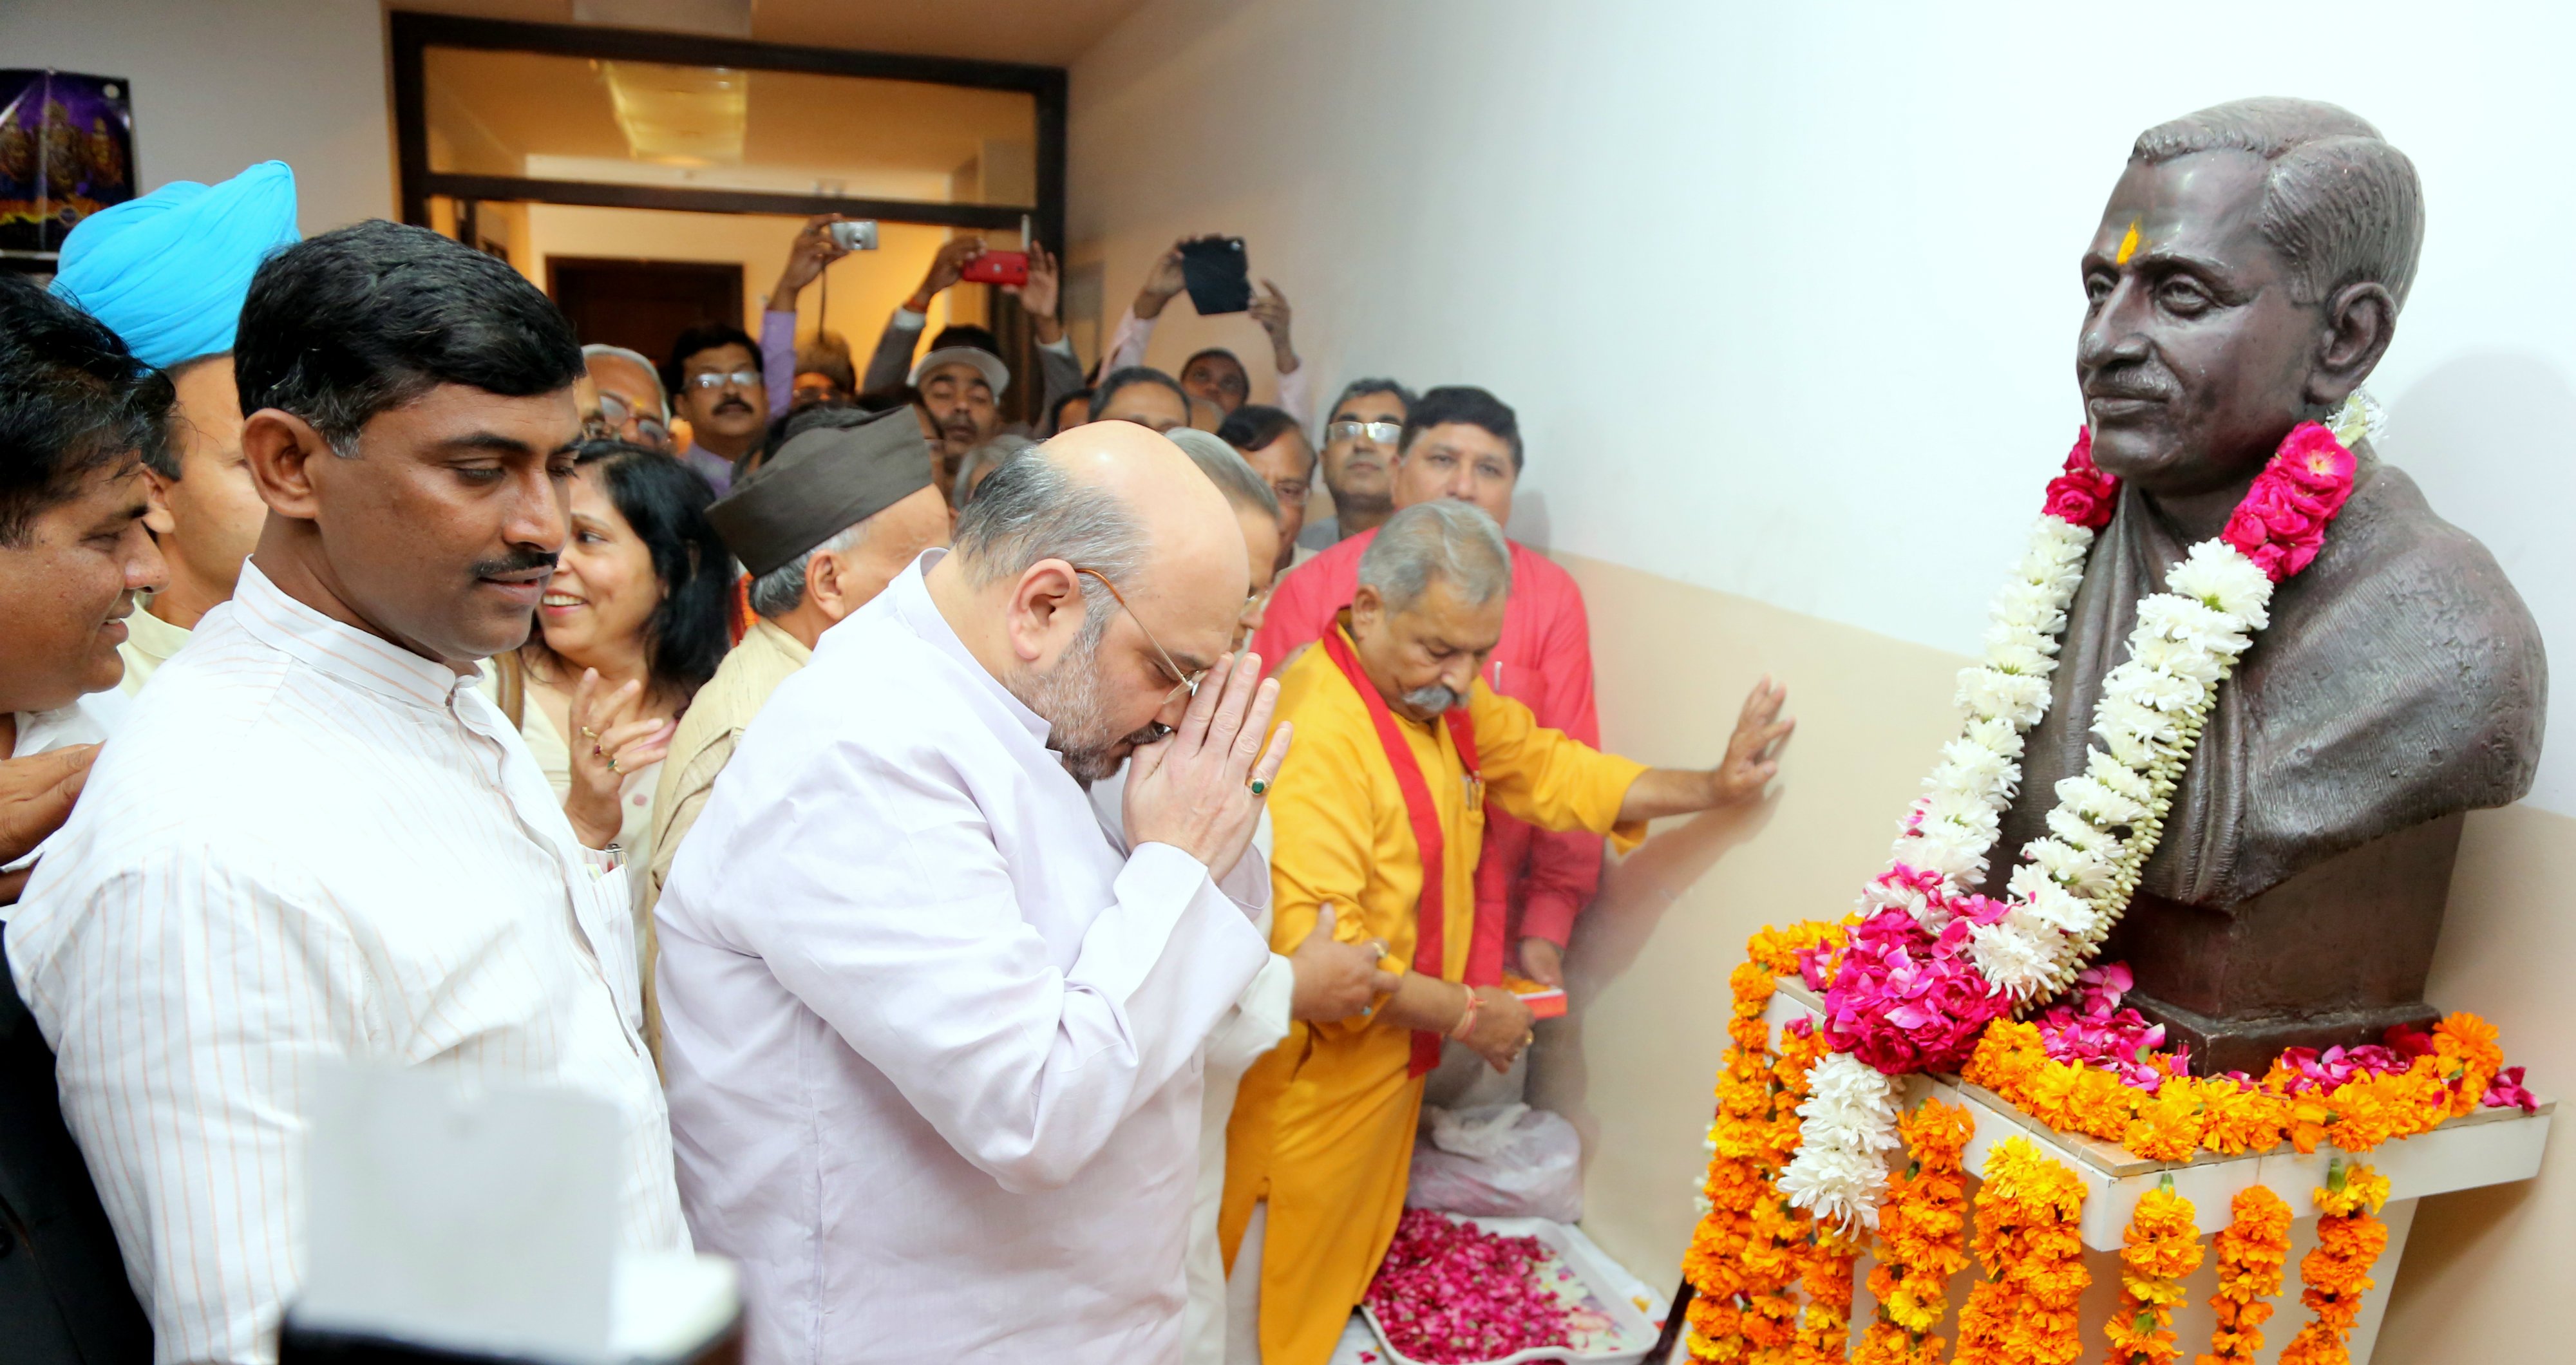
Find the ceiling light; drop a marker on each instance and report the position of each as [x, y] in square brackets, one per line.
[679, 115]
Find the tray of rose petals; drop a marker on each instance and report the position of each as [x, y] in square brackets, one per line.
[1494, 1291]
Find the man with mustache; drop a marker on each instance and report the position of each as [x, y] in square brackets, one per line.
[715, 378]
[1379, 813]
[931, 1036]
[81, 414]
[1359, 460]
[315, 838]
[960, 388]
[2246, 276]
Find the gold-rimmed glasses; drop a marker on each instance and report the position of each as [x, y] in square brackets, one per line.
[1185, 682]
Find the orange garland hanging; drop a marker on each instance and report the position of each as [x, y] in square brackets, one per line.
[2337, 1273]
[2025, 1311]
[1824, 1326]
[1923, 1238]
[2252, 1250]
[2160, 1247]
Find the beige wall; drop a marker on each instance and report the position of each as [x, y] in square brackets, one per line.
[1635, 1062]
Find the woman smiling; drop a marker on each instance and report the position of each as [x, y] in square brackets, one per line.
[632, 623]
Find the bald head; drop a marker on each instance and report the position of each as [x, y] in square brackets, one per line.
[1092, 575]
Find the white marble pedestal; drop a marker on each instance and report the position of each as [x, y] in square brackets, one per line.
[2489, 1147]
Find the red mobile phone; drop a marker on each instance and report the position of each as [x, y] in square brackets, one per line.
[998, 267]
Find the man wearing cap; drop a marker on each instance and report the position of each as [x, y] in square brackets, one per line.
[960, 387]
[167, 273]
[822, 529]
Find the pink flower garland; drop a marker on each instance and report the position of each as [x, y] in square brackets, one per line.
[2091, 1028]
[1449, 1292]
[2282, 520]
[2084, 495]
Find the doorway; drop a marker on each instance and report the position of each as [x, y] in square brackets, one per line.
[642, 305]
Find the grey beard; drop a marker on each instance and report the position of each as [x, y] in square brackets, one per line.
[1068, 696]
[1432, 700]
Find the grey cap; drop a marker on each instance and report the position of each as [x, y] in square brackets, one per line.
[822, 482]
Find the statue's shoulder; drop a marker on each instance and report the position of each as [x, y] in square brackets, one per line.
[2391, 557]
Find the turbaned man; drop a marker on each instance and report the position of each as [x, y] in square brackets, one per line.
[1400, 746]
[932, 1039]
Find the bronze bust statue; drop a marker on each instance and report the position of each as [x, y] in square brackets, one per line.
[2247, 275]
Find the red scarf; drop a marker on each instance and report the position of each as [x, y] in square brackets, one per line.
[1485, 944]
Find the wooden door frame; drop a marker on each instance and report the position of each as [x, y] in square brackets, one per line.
[414, 33]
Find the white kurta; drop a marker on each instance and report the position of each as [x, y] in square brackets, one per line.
[932, 1042]
[306, 842]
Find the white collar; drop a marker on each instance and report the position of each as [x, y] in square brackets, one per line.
[911, 604]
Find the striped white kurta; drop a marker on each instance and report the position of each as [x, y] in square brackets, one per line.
[307, 842]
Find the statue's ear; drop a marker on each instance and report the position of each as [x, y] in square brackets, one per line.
[2360, 319]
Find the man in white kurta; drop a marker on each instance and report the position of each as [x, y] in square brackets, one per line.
[932, 1040]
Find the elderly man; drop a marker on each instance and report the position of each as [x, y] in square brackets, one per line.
[315, 838]
[167, 273]
[715, 374]
[1214, 375]
[1277, 449]
[1464, 444]
[822, 529]
[1147, 397]
[1359, 457]
[931, 1038]
[1378, 813]
[73, 556]
[632, 406]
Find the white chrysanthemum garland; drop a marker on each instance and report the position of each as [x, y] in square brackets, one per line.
[2076, 881]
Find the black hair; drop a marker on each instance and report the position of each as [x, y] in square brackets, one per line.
[1134, 374]
[1197, 356]
[705, 336]
[73, 401]
[1462, 403]
[1372, 384]
[1055, 410]
[665, 501]
[1254, 425]
[366, 318]
[967, 334]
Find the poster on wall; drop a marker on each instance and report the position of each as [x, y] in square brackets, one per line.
[66, 151]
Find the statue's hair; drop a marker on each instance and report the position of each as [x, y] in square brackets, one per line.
[1445, 539]
[2340, 204]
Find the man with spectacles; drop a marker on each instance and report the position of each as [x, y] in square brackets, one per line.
[632, 406]
[1463, 444]
[1359, 460]
[932, 1038]
[715, 375]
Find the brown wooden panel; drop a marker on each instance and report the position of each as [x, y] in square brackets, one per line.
[644, 305]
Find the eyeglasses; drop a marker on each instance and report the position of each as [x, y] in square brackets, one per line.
[1188, 682]
[740, 379]
[1384, 433]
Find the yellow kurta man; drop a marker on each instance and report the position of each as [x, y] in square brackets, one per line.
[1397, 748]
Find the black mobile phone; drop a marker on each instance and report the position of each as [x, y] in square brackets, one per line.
[1214, 271]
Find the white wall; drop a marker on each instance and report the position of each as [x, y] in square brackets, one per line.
[1786, 294]
[220, 84]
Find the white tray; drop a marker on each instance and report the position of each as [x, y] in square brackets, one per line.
[1584, 1281]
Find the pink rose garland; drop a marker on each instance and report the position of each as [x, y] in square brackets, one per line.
[2282, 521]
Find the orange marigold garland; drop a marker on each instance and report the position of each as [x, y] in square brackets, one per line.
[2025, 1311]
[1824, 1326]
[1922, 1236]
[2160, 1247]
[1781, 1239]
[1734, 1256]
[2337, 1273]
[2251, 1251]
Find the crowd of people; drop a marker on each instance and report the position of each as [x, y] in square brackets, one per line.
[1016, 884]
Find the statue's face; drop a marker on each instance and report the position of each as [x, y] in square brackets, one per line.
[2193, 359]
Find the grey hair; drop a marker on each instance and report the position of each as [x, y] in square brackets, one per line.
[2341, 205]
[1446, 539]
[782, 590]
[1032, 508]
[1226, 469]
[991, 452]
[651, 370]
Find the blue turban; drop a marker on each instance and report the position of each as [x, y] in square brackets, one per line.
[168, 272]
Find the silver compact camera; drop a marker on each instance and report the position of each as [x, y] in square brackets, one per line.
[858, 235]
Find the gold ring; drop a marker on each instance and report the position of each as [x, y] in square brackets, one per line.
[1529, 1037]
[588, 733]
[612, 765]
[1259, 786]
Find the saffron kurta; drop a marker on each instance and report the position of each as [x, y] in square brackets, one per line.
[1323, 1129]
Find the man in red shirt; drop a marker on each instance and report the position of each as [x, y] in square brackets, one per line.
[1464, 443]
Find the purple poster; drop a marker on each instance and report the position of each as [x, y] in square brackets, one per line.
[66, 151]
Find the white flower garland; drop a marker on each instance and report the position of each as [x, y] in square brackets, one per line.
[2076, 881]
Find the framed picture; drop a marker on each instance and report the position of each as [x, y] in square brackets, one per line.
[66, 151]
